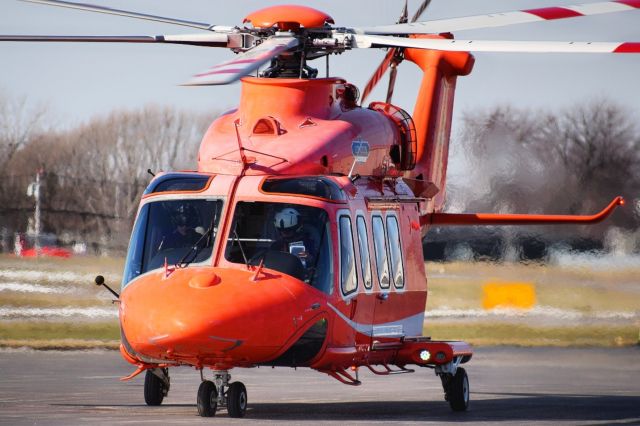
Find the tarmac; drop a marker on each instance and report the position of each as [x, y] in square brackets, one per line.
[585, 386]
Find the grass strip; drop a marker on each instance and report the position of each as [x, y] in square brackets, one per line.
[106, 335]
[58, 331]
[60, 344]
[26, 300]
[494, 334]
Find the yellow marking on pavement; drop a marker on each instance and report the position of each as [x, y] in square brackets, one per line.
[508, 295]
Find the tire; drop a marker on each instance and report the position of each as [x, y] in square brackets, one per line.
[153, 389]
[458, 391]
[237, 400]
[207, 399]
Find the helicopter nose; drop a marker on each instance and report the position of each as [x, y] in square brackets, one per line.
[202, 314]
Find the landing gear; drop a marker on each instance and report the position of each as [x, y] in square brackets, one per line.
[207, 399]
[212, 394]
[458, 394]
[237, 400]
[455, 384]
[456, 389]
[156, 385]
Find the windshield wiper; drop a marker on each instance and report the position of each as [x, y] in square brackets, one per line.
[244, 255]
[195, 249]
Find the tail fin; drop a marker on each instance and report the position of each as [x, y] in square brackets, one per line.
[433, 111]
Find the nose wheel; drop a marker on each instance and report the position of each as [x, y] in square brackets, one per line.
[221, 393]
[456, 389]
[156, 386]
[207, 399]
[237, 400]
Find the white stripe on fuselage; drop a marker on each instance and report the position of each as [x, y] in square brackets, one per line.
[411, 326]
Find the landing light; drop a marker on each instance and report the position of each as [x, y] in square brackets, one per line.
[425, 355]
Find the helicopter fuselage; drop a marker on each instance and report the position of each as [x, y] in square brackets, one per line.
[224, 312]
[351, 289]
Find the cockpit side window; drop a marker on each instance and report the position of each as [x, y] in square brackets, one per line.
[175, 232]
[290, 238]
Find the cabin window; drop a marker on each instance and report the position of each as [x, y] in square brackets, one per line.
[379, 244]
[290, 238]
[363, 245]
[176, 232]
[348, 275]
[395, 251]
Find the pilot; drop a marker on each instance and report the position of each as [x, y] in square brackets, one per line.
[184, 234]
[292, 237]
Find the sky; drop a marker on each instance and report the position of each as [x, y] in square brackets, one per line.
[78, 81]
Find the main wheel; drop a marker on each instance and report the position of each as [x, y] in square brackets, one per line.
[458, 391]
[207, 399]
[153, 389]
[237, 400]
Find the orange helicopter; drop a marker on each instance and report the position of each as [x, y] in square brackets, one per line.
[298, 241]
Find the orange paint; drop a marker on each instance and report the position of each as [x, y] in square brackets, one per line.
[223, 274]
[284, 16]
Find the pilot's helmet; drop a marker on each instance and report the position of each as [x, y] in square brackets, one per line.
[185, 215]
[287, 221]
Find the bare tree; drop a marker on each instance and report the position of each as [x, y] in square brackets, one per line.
[96, 172]
[19, 122]
[539, 161]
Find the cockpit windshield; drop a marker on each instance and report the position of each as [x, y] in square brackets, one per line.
[178, 232]
[289, 238]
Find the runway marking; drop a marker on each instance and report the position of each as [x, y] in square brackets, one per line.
[51, 313]
[33, 288]
[538, 311]
[52, 276]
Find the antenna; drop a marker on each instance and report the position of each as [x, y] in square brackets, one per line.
[243, 158]
[327, 57]
[33, 190]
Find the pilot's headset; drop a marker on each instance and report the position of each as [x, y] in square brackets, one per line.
[287, 222]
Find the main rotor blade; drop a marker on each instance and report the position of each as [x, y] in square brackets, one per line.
[386, 62]
[245, 63]
[392, 82]
[208, 39]
[378, 74]
[420, 10]
[120, 12]
[366, 41]
[404, 15]
[504, 18]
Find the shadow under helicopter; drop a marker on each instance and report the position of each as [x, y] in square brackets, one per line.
[518, 407]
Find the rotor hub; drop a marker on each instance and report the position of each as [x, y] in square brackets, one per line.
[288, 18]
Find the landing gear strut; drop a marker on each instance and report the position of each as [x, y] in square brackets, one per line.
[156, 385]
[212, 394]
[455, 384]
